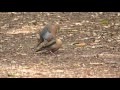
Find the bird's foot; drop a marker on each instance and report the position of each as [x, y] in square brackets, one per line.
[53, 53]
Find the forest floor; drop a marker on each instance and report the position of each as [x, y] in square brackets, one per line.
[91, 45]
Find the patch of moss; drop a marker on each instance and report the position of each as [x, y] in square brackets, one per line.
[11, 75]
[104, 21]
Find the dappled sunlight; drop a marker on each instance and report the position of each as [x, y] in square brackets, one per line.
[25, 30]
[91, 45]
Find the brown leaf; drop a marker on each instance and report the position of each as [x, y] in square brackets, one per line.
[80, 44]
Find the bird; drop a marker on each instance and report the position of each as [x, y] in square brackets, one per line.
[55, 46]
[47, 38]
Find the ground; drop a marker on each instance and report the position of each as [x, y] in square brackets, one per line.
[91, 45]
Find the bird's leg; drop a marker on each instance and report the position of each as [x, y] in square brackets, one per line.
[53, 53]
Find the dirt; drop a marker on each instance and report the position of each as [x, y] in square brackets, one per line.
[91, 45]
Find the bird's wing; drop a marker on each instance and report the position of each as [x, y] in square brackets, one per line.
[50, 43]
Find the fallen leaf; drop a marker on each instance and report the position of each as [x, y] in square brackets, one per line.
[96, 63]
[80, 44]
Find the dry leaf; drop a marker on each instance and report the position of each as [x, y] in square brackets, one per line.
[80, 44]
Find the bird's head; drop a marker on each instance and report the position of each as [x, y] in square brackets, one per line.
[58, 42]
[56, 46]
